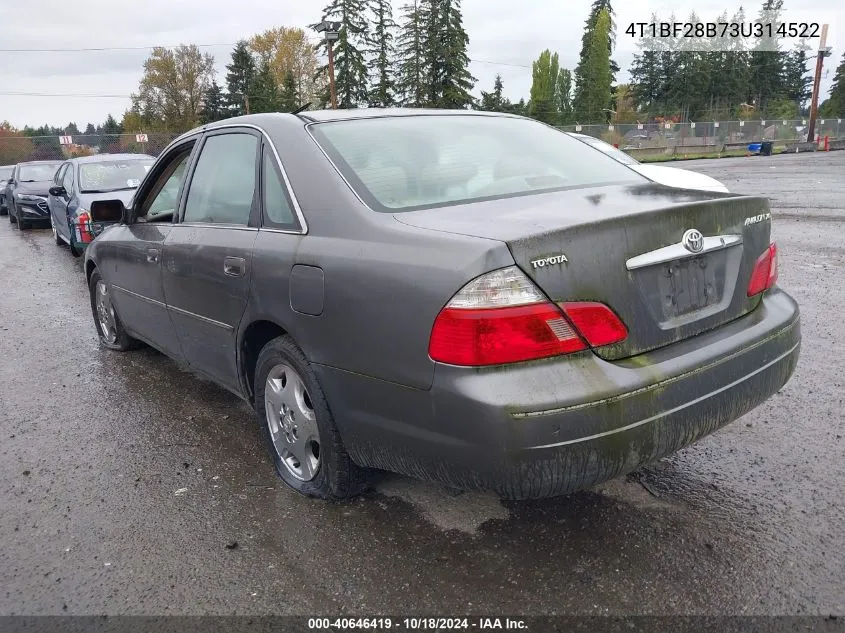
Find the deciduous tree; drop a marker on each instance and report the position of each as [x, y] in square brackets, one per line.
[290, 50]
[172, 87]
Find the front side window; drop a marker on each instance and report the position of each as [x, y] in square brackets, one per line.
[164, 195]
[67, 179]
[113, 175]
[414, 162]
[38, 173]
[222, 188]
[60, 172]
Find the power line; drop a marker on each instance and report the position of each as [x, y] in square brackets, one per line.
[63, 94]
[102, 48]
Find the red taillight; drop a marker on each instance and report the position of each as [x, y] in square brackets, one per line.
[478, 327]
[494, 336]
[83, 222]
[765, 272]
[596, 322]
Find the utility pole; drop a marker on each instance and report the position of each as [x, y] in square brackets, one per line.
[824, 51]
[332, 90]
[332, 34]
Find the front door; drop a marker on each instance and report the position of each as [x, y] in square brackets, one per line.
[208, 254]
[58, 204]
[134, 267]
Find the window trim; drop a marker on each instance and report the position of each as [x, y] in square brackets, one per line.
[267, 224]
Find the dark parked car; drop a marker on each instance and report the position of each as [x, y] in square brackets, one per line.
[472, 298]
[27, 190]
[81, 181]
[5, 174]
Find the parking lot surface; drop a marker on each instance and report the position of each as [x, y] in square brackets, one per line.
[130, 486]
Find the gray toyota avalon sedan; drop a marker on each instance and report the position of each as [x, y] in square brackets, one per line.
[471, 298]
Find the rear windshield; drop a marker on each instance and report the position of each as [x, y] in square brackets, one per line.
[416, 162]
[36, 173]
[113, 175]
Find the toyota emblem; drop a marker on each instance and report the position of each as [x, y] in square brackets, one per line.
[693, 241]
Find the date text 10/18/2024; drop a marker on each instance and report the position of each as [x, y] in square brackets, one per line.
[418, 624]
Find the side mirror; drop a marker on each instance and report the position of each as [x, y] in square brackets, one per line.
[57, 191]
[109, 211]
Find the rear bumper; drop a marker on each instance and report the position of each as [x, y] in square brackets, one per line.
[547, 428]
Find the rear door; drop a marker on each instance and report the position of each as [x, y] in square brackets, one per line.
[208, 255]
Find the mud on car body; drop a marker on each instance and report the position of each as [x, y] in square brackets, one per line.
[371, 282]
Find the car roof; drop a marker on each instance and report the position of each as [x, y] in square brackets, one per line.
[99, 158]
[57, 161]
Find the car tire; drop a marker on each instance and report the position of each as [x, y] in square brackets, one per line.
[74, 249]
[12, 219]
[23, 225]
[116, 337]
[333, 476]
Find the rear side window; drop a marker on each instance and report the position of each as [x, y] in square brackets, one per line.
[222, 188]
[415, 162]
[277, 209]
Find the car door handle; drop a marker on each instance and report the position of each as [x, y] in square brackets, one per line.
[152, 255]
[234, 266]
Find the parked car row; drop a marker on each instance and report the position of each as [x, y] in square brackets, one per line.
[472, 298]
[60, 193]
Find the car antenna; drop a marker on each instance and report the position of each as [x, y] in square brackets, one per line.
[302, 108]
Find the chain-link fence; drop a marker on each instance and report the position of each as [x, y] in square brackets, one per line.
[642, 140]
[18, 149]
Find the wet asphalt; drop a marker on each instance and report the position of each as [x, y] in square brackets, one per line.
[130, 486]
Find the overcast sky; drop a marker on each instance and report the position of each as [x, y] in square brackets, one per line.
[505, 36]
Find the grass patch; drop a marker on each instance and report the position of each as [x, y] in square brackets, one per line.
[694, 156]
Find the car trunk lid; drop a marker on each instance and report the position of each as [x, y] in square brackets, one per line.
[623, 246]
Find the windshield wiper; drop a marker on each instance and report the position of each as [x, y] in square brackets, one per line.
[105, 190]
[28, 180]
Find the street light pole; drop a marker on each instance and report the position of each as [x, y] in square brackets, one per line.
[824, 51]
[332, 90]
[331, 31]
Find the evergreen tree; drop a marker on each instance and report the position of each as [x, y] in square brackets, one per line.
[563, 96]
[544, 84]
[289, 96]
[834, 105]
[239, 78]
[768, 66]
[382, 49]
[350, 66]
[448, 62]
[797, 80]
[264, 95]
[412, 42]
[597, 7]
[495, 101]
[90, 130]
[110, 134]
[214, 104]
[592, 90]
